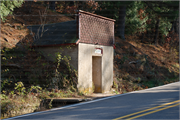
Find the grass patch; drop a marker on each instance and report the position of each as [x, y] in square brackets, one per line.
[155, 82]
[22, 100]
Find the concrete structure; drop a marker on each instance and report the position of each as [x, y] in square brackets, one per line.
[91, 40]
[95, 67]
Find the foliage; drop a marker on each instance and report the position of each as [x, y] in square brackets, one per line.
[111, 8]
[164, 23]
[135, 21]
[18, 105]
[89, 6]
[39, 72]
[169, 9]
[5, 104]
[20, 87]
[108, 9]
[3, 96]
[3, 83]
[62, 79]
[164, 11]
[141, 16]
[7, 7]
[13, 104]
[71, 7]
[36, 89]
[164, 26]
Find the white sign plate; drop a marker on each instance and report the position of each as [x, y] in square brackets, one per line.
[98, 51]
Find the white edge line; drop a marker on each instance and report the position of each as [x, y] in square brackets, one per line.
[86, 102]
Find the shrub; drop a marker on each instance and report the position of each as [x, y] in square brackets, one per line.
[7, 7]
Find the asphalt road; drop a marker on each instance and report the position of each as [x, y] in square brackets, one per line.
[155, 103]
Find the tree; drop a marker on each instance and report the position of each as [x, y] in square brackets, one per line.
[163, 14]
[140, 17]
[121, 22]
[52, 5]
[7, 7]
[115, 10]
[136, 18]
[174, 14]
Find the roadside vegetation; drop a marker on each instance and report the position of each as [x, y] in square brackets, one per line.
[28, 79]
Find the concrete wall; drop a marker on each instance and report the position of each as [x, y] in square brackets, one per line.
[85, 53]
[81, 60]
[72, 51]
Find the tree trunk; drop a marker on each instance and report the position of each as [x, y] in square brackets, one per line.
[121, 22]
[71, 3]
[52, 5]
[174, 26]
[28, 6]
[142, 40]
[156, 32]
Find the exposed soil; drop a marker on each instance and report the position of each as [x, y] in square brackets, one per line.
[14, 29]
[158, 63]
[136, 65]
[129, 54]
[145, 64]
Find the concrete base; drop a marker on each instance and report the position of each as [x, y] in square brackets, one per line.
[66, 101]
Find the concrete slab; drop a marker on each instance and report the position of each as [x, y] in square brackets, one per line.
[99, 95]
[69, 100]
[60, 101]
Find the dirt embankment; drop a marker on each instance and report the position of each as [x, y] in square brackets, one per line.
[136, 65]
[134, 61]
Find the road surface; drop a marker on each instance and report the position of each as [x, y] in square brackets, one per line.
[155, 103]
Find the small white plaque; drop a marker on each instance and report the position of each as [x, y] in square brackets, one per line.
[98, 51]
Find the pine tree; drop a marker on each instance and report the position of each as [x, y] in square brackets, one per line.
[136, 17]
[152, 17]
[162, 14]
[115, 10]
[7, 7]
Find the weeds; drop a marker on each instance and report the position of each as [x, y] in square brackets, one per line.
[64, 80]
[38, 72]
[27, 100]
[173, 54]
[20, 87]
[36, 89]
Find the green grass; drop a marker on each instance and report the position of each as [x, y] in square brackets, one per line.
[155, 82]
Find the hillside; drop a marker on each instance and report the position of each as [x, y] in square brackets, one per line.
[136, 65]
[145, 64]
[14, 29]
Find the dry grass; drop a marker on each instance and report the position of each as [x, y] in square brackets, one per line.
[151, 65]
[18, 105]
[14, 104]
[136, 65]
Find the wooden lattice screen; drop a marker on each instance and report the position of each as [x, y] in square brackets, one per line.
[95, 29]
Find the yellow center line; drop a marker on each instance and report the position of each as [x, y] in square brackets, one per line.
[146, 110]
[153, 111]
